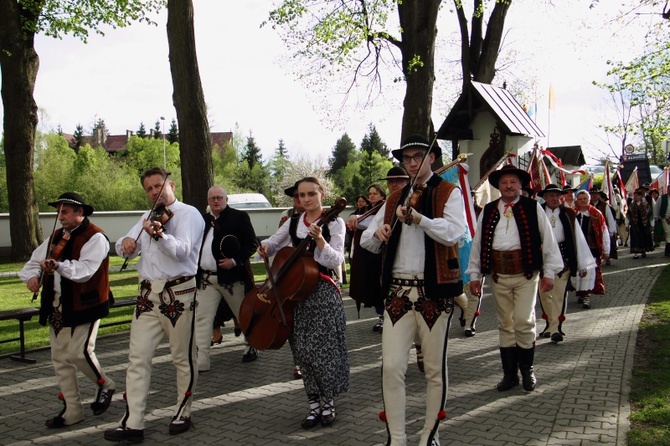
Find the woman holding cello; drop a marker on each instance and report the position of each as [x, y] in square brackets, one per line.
[366, 267]
[318, 338]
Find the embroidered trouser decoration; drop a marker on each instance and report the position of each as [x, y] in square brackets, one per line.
[143, 303]
[398, 303]
[430, 309]
[172, 308]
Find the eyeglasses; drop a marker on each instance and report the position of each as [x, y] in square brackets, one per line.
[215, 198]
[417, 157]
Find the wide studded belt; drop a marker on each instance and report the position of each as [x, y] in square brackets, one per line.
[407, 282]
[169, 283]
[507, 262]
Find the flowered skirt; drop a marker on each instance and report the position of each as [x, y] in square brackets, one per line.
[318, 341]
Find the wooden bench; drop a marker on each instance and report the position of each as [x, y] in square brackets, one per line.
[25, 314]
[22, 315]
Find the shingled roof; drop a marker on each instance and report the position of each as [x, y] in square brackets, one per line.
[478, 98]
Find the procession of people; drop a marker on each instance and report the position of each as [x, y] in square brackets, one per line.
[404, 264]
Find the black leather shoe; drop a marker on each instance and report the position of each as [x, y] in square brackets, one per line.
[251, 355]
[469, 333]
[55, 422]
[556, 337]
[312, 419]
[327, 419]
[123, 434]
[217, 341]
[180, 426]
[59, 422]
[102, 402]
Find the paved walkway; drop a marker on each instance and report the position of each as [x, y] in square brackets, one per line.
[581, 398]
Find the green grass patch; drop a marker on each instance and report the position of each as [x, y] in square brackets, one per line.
[650, 385]
[15, 295]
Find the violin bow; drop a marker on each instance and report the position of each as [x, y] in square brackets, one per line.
[49, 250]
[153, 208]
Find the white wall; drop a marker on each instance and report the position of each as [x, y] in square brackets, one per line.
[116, 224]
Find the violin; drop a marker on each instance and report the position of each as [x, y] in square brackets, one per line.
[414, 202]
[54, 253]
[162, 215]
[57, 251]
[266, 313]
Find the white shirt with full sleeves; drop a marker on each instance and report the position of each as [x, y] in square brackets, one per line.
[174, 255]
[506, 238]
[447, 231]
[332, 254]
[92, 254]
[585, 261]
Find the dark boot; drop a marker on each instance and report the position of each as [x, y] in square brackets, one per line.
[526, 356]
[509, 365]
[667, 249]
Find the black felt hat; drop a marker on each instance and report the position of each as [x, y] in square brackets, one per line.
[290, 191]
[494, 178]
[416, 141]
[552, 188]
[73, 198]
[396, 173]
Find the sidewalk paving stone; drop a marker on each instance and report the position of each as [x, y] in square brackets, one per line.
[581, 398]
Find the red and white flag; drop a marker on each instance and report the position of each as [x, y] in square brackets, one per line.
[632, 183]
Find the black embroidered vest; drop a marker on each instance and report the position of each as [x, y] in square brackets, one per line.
[567, 217]
[525, 216]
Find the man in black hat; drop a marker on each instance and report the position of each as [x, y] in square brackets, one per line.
[569, 196]
[169, 239]
[577, 261]
[420, 279]
[224, 269]
[514, 243]
[75, 294]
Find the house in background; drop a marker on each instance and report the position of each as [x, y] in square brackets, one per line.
[488, 122]
[572, 159]
[117, 143]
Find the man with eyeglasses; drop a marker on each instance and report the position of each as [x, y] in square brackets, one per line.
[224, 270]
[420, 278]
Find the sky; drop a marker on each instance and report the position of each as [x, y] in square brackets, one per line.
[250, 86]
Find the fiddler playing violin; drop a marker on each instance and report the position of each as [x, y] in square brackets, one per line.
[72, 268]
[420, 278]
[316, 323]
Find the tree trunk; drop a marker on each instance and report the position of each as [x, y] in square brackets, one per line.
[418, 22]
[485, 70]
[19, 64]
[189, 101]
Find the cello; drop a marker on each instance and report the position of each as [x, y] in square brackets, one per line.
[266, 313]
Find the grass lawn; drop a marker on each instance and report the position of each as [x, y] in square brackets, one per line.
[650, 386]
[15, 295]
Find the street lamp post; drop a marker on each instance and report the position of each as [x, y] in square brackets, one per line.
[164, 155]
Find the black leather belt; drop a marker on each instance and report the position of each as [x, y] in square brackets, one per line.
[406, 282]
[169, 283]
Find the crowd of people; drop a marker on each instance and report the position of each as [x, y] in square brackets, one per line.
[403, 247]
